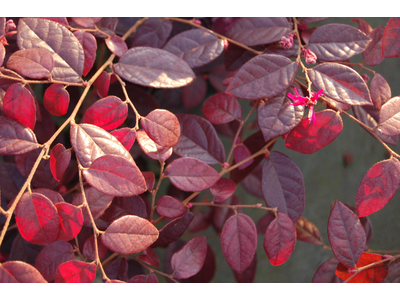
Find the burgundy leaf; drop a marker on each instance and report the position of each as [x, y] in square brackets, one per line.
[122, 206]
[378, 186]
[197, 47]
[394, 272]
[154, 33]
[75, 271]
[283, 185]
[32, 63]
[51, 257]
[194, 93]
[151, 278]
[341, 83]
[126, 136]
[150, 179]
[263, 76]
[37, 219]
[129, 235]
[89, 45]
[116, 45]
[346, 235]
[170, 207]
[308, 137]
[191, 175]
[18, 271]
[189, 260]
[89, 248]
[257, 31]
[67, 52]
[87, 22]
[247, 276]
[199, 140]
[56, 99]
[116, 176]
[252, 183]
[153, 67]
[117, 269]
[239, 241]
[380, 91]
[207, 271]
[19, 105]
[219, 215]
[391, 36]
[308, 232]
[223, 189]
[71, 221]
[241, 152]
[264, 222]
[389, 117]
[280, 239]
[150, 148]
[221, 108]
[150, 257]
[15, 138]
[326, 272]
[107, 113]
[53, 196]
[363, 25]
[102, 83]
[336, 42]
[59, 160]
[162, 127]
[235, 57]
[373, 54]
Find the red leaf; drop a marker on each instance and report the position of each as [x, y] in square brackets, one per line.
[380, 91]
[391, 39]
[162, 127]
[326, 272]
[75, 271]
[87, 22]
[116, 176]
[207, 271]
[71, 221]
[153, 67]
[107, 113]
[378, 186]
[150, 148]
[51, 257]
[191, 174]
[239, 241]
[150, 257]
[150, 179]
[223, 189]
[116, 45]
[129, 235]
[241, 152]
[308, 137]
[221, 108]
[56, 99]
[308, 232]
[373, 274]
[389, 117]
[280, 239]
[32, 63]
[126, 136]
[189, 260]
[19, 105]
[37, 219]
[102, 83]
[59, 160]
[18, 271]
[170, 207]
[151, 278]
[346, 235]
[89, 248]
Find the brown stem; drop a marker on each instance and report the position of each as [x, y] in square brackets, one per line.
[154, 270]
[235, 207]
[154, 193]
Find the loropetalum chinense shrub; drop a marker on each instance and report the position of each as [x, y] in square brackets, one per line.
[112, 161]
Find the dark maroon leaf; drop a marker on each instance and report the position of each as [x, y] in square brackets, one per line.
[341, 83]
[116, 45]
[18, 271]
[264, 222]
[53, 196]
[102, 83]
[197, 47]
[308, 137]
[71, 221]
[122, 206]
[170, 207]
[389, 117]
[326, 272]
[191, 175]
[150, 257]
[241, 152]
[37, 219]
[280, 239]
[252, 183]
[247, 276]
[19, 105]
[129, 235]
[153, 67]
[391, 39]
[89, 248]
[189, 260]
[394, 272]
[117, 269]
[194, 93]
[221, 108]
[277, 117]
[336, 42]
[373, 54]
[126, 136]
[363, 25]
[239, 241]
[253, 31]
[116, 176]
[378, 186]
[15, 138]
[32, 63]
[75, 271]
[207, 271]
[235, 57]
[154, 33]
[151, 278]
[89, 45]
[87, 22]
[199, 140]
[283, 185]
[56, 99]
[380, 91]
[107, 113]
[308, 232]
[51, 257]
[59, 160]
[264, 76]
[150, 148]
[346, 235]
[223, 189]
[67, 52]
[150, 179]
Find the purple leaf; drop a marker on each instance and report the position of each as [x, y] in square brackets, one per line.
[122, 206]
[194, 93]
[118, 269]
[380, 91]
[373, 54]
[87, 22]
[151, 278]
[170, 207]
[223, 189]
[389, 117]
[326, 272]
[18, 271]
[221, 108]
[89, 45]
[116, 45]
[154, 33]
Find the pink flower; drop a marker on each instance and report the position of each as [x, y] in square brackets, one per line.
[311, 57]
[287, 42]
[307, 101]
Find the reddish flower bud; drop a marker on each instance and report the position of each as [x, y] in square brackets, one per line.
[287, 42]
[226, 45]
[198, 22]
[310, 56]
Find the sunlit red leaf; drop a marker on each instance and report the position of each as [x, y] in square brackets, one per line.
[389, 117]
[346, 235]
[308, 232]
[239, 241]
[150, 148]
[221, 108]
[56, 99]
[126, 136]
[378, 186]
[116, 45]
[170, 207]
[71, 221]
[189, 260]
[280, 239]
[18, 271]
[151, 278]
[89, 45]
[75, 271]
[223, 189]
[102, 83]
[59, 160]
[19, 105]
[129, 235]
[391, 39]
[326, 272]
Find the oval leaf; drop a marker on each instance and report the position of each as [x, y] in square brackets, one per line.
[221, 108]
[151, 278]
[389, 117]
[391, 39]
[18, 271]
[150, 148]
[116, 45]
[223, 189]
[129, 235]
[56, 99]
[373, 54]
[153, 67]
[154, 33]
[170, 207]
[89, 45]
[59, 160]
[71, 221]
[75, 271]
[326, 272]
[126, 136]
